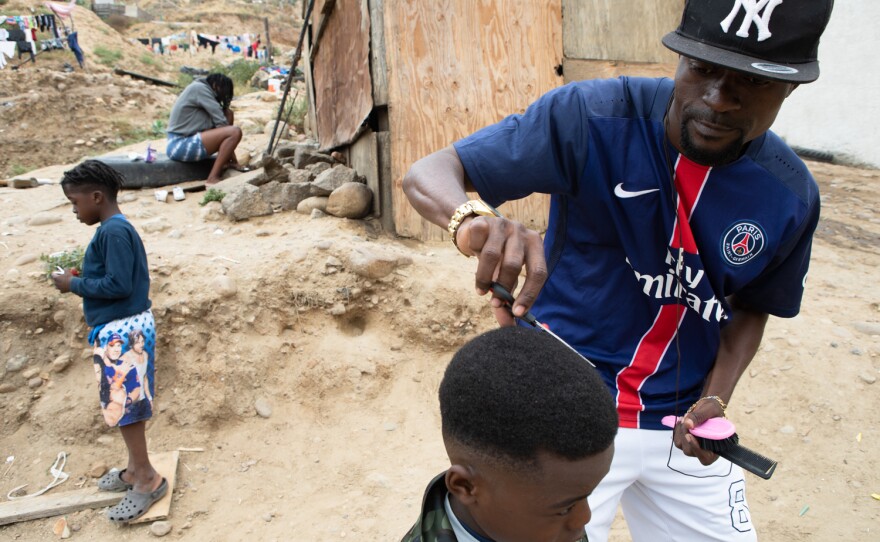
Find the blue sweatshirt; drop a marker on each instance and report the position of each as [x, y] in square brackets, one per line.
[115, 281]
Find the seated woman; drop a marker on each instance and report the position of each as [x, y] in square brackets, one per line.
[201, 124]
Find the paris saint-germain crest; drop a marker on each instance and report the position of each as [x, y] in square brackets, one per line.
[742, 242]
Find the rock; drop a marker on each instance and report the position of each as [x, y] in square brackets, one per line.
[263, 408]
[271, 192]
[35, 382]
[331, 179]
[235, 179]
[25, 259]
[282, 132]
[305, 156]
[285, 149]
[338, 157]
[212, 212]
[97, 469]
[7, 387]
[337, 309]
[60, 528]
[300, 176]
[245, 202]
[786, 430]
[106, 440]
[867, 378]
[373, 264]
[260, 80]
[16, 363]
[305, 206]
[13, 274]
[128, 197]
[30, 372]
[317, 169]
[868, 328]
[293, 193]
[155, 225]
[160, 528]
[351, 200]
[225, 286]
[43, 219]
[317, 213]
[275, 171]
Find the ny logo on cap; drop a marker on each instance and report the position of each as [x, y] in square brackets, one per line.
[752, 7]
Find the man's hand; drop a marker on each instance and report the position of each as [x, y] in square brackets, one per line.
[502, 248]
[62, 280]
[688, 444]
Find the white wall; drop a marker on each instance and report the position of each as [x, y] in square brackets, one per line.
[840, 112]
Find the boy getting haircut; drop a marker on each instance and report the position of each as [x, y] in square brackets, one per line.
[529, 428]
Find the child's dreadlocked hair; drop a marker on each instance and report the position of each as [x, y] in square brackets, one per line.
[93, 175]
[223, 88]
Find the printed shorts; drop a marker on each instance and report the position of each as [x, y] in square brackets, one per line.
[124, 361]
[186, 148]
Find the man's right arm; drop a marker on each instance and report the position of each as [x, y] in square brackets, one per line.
[435, 186]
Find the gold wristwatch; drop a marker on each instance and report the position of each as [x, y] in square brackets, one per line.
[473, 207]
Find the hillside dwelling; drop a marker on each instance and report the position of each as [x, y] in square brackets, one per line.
[391, 81]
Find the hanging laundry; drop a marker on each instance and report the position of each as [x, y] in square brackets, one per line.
[7, 49]
[73, 43]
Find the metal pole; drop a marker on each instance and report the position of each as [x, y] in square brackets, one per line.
[296, 57]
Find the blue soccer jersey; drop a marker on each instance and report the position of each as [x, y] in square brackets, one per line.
[633, 261]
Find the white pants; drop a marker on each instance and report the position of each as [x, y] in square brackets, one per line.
[668, 496]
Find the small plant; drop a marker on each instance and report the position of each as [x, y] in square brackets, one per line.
[212, 195]
[158, 128]
[106, 56]
[149, 59]
[66, 259]
[18, 169]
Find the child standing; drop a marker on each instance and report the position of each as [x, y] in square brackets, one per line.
[115, 287]
[529, 429]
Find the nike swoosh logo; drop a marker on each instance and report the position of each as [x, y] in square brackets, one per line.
[621, 193]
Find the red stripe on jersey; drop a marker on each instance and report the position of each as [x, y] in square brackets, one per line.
[690, 179]
[651, 349]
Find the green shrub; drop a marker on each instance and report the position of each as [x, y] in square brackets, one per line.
[212, 195]
[65, 259]
[106, 56]
[240, 71]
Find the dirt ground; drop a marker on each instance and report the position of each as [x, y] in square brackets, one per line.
[249, 311]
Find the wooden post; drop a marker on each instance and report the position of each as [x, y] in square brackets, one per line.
[268, 41]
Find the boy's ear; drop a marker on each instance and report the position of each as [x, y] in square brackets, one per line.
[461, 482]
[97, 196]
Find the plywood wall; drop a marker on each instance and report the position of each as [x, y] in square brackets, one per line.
[456, 66]
[628, 30]
[341, 71]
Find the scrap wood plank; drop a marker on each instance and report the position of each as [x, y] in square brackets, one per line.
[56, 504]
[142, 77]
[165, 464]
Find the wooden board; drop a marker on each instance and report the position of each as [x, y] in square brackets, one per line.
[579, 70]
[341, 71]
[165, 464]
[455, 66]
[56, 504]
[619, 29]
[363, 158]
[378, 64]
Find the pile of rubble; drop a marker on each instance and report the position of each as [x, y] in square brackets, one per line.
[295, 177]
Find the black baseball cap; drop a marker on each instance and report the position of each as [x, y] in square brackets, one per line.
[768, 38]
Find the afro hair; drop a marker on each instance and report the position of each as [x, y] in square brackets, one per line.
[514, 392]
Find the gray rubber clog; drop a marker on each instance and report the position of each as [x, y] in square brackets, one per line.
[135, 505]
[112, 481]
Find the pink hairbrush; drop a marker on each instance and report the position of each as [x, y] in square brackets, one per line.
[719, 435]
